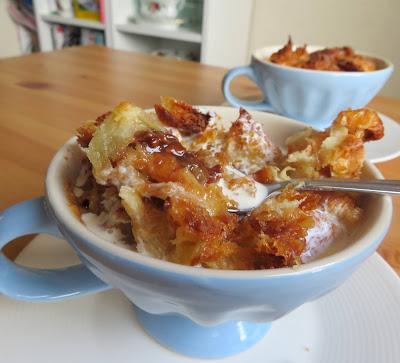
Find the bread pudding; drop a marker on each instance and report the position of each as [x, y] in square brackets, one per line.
[161, 183]
[328, 59]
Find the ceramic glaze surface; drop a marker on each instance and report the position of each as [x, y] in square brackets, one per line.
[314, 97]
[235, 336]
[207, 297]
[332, 329]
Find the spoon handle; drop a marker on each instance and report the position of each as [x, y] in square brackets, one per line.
[361, 186]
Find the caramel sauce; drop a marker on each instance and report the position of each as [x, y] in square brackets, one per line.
[157, 142]
[160, 142]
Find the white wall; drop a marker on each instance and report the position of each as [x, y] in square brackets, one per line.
[369, 25]
[9, 45]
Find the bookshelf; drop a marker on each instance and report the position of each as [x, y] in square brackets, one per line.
[186, 35]
[57, 19]
[220, 38]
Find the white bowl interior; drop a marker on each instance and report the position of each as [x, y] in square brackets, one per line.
[377, 210]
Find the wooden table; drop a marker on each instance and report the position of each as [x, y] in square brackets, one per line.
[44, 97]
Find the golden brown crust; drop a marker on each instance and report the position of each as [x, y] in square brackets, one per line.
[328, 59]
[85, 132]
[209, 235]
[281, 226]
[363, 123]
[167, 186]
[337, 151]
[289, 57]
[182, 116]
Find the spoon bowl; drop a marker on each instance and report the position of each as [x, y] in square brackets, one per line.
[266, 191]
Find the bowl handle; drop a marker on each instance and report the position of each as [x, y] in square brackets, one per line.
[32, 284]
[234, 101]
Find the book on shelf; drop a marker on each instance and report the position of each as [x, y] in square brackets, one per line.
[89, 37]
[102, 11]
[57, 33]
[61, 7]
[80, 9]
[87, 9]
[68, 36]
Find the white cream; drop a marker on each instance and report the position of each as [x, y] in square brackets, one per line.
[245, 198]
[320, 238]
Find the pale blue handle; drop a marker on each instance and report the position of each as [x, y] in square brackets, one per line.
[234, 101]
[32, 284]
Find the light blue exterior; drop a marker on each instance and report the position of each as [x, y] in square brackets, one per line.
[233, 313]
[183, 336]
[32, 284]
[314, 97]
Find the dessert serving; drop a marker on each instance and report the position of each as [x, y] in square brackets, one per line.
[161, 183]
[327, 59]
[310, 84]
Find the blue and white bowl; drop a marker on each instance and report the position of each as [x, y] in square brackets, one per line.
[195, 311]
[311, 96]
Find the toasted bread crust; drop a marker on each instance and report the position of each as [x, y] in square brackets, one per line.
[328, 59]
[187, 119]
[165, 186]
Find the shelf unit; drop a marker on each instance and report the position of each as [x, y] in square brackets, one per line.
[186, 35]
[57, 19]
[221, 39]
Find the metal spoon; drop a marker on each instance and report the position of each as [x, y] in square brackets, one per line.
[391, 187]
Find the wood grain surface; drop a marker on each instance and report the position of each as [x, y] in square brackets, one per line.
[45, 96]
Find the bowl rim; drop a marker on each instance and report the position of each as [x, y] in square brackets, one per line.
[55, 193]
[273, 48]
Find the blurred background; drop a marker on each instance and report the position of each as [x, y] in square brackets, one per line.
[217, 32]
